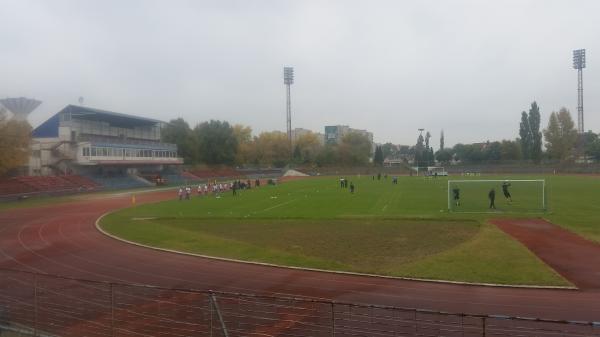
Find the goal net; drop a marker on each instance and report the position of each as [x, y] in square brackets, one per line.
[473, 196]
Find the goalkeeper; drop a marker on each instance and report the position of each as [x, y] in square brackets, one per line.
[505, 191]
[456, 195]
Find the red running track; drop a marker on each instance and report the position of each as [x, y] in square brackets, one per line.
[62, 239]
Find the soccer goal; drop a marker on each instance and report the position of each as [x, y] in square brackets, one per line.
[473, 196]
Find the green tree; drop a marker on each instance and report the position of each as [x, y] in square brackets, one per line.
[510, 150]
[430, 157]
[217, 143]
[560, 135]
[591, 142]
[354, 149]
[388, 150]
[536, 135]
[272, 148]
[420, 151]
[593, 148]
[378, 157]
[469, 153]
[328, 155]
[245, 149]
[178, 132]
[442, 140]
[297, 155]
[15, 137]
[310, 146]
[493, 151]
[444, 156]
[526, 137]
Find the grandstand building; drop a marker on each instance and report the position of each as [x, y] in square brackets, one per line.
[92, 142]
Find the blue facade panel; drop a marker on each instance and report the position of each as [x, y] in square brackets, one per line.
[48, 129]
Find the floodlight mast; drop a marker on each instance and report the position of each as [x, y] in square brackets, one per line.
[579, 64]
[288, 80]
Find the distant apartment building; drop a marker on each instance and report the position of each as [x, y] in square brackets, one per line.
[334, 133]
[300, 132]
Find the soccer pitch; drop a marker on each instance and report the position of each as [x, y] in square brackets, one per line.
[383, 228]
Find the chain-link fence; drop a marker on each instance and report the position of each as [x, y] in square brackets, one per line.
[33, 304]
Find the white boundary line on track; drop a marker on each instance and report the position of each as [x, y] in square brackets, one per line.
[517, 286]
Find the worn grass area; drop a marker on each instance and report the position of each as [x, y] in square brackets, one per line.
[369, 246]
[399, 230]
[491, 256]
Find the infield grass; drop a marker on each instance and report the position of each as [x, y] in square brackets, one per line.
[397, 230]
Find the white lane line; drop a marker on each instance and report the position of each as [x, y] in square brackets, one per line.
[278, 205]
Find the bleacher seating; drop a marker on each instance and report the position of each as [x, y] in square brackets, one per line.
[216, 173]
[119, 182]
[35, 184]
[81, 181]
[14, 187]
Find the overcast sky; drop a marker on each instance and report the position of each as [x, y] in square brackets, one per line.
[469, 67]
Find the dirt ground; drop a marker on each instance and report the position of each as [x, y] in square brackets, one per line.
[575, 258]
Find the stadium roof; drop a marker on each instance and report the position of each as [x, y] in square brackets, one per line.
[113, 118]
[49, 128]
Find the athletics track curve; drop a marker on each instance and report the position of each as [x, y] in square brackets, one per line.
[62, 239]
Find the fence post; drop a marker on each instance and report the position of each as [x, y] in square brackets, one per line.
[210, 307]
[112, 310]
[415, 319]
[332, 319]
[35, 304]
[484, 327]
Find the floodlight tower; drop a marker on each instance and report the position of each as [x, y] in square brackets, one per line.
[579, 64]
[288, 80]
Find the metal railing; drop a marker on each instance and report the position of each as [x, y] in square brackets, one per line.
[34, 304]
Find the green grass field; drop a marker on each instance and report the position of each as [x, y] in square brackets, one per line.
[397, 230]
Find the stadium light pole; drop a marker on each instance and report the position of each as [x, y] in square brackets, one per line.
[288, 80]
[579, 64]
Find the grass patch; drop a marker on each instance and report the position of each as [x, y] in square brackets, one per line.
[368, 246]
[490, 257]
[398, 230]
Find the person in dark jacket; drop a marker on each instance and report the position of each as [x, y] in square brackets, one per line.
[492, 197]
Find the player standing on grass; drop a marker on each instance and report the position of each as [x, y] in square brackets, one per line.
[351, 187]
[507, 195]
[456, 195]
[492, 197]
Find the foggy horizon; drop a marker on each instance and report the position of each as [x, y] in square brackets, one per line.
[467, 67]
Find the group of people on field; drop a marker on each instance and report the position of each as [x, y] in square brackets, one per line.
[216, 188]
[344, 184]
[491, 195]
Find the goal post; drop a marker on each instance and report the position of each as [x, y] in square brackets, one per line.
[523, 195]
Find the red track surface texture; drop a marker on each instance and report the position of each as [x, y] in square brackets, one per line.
[62, 239]
[574, 257]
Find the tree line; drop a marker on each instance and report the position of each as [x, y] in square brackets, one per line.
[562, 142]
[220, 143]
